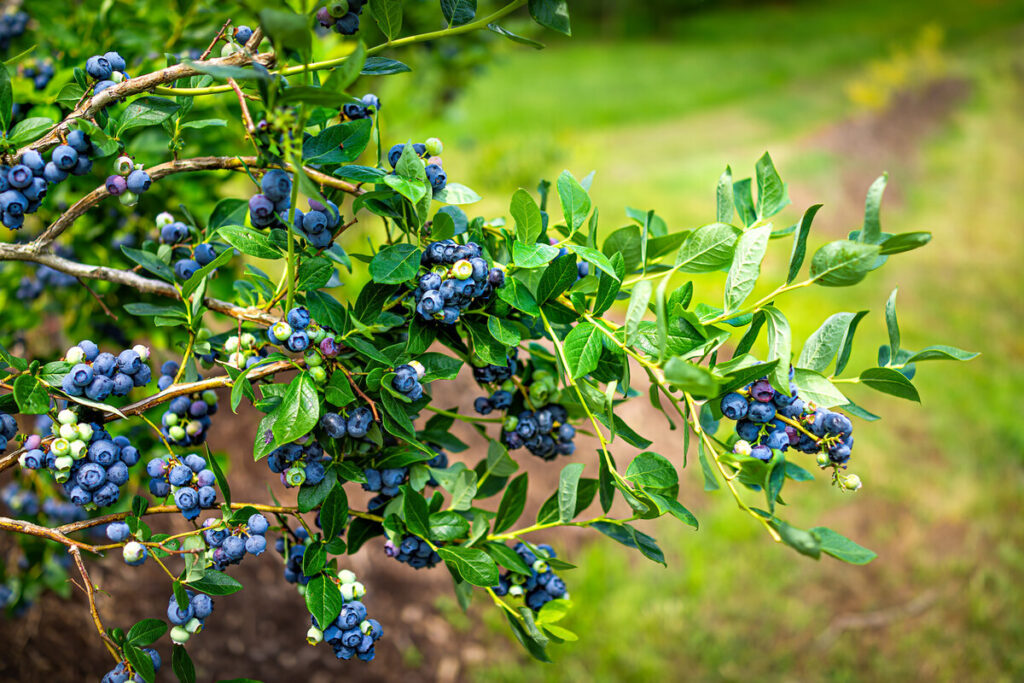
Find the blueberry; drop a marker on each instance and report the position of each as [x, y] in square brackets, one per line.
[80, 141]
[20, 176]
[64, 157]
[436, 176]
[177, 615]
[276, 185]
[116, 61]
[759, 413]
[747, 430]
[243, 34]
[838, 424]
[333, 425]
[205, 254]
[179, 475]
[34, 160]
[186, 498]
[122, 384]
[778, 440]
[98, 67]
[105, 364]
[118, 531]
[298, 318]
[101, 86]
[81, 375]
[261, 210]
[138, 181]
[129, 361]
[258, 524]
[297, 342]
[116, 185]
[99, 389]
[763, 453]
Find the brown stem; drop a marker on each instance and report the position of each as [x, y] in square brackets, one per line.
[90, 593]
[97, 298]
[250, 127]
[213, 43]
[373, 406]
[23, 527]
[164, 509]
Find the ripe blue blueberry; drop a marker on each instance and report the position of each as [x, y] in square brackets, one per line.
[138, 181]
[734, 406]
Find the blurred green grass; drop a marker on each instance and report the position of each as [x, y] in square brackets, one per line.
[942, 502]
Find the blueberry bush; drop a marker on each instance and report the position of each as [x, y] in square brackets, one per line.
[147, 267]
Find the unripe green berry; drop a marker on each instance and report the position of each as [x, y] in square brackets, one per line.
[511, 422]
[60, 446]
[318, 374]
[67, 417]
[313, 359]
[434, 146]
[231, 344]
[418, 367]
[540, 566]
[85, 431]
[295, 476]
[68, 431]
[194, 626]
[247, 340]
[237, 360]
[347, 576]
[179, 636]
[123, 166]
[337, 8]
[61, 476]
[281, 330]
[170, 419]
[133, 551]
[741, 447]
[128, 198]
[63, 462]
[348, 593]
[462, 269]
[176, 432]
[850, 482]
[209, 397]
[164, 218]
[228, 49]
[79, 449]
[193, 427]
[823, 460]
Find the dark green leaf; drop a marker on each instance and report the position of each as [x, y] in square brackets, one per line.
[182, 664]
[382, 66]
[146, 632]
[146, 111]
[458, 12]
[889, 381]
[150, 262]
[633, 538]
[796, 259]
[708, 248]
[388, 15]
[512, 503]
[552, 14]
[249, 241]
[471, 564]
[842, 548]
[323, 599]
[334, 512]
[216, 583]
[746, 266]
[299, 410]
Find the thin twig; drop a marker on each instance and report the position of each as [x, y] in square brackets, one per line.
[209, 49]
[98, 299]
[90, 593]
[373, 406]
[250, 127]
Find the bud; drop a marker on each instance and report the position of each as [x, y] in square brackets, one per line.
[67, 417]
[850, 482]
[314, 635]
[179, 636]
[74, 355]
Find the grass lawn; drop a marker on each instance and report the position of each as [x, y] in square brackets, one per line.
[942, 503]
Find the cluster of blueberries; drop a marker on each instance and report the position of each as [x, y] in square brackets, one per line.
[770, 420]
[189, 621]
[497, 374]
[429, 152]
[355, 423]
[319, 223]
[367, 105]
[12, 25]
[40, 73]
[98, 375]
[230, 544]
[293, 556]
[351, 634]
[456, 275]
[188, 478]
[413, 551]
[128, 181]
[46, 278]
[545, 432]
[186, 260]
[92, 465]
[187, 418]
[342, 16]
[23, 501]
[407, 380]
[274, 199]
[107, 69]
[540, 587]
[499, 400]
[242, 350]
[122, 673]
[302, 461]
[385, 483]
[23, 186]
[294, 331]
[8, 430]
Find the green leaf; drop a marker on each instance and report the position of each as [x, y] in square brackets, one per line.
[249, 241]
[504, 331]
[842, 548]
[348, 71]
[552, 14]
[746, 266]
[626, 243]
[846, 346]
[446, 525]
[940, 352]
[413, 190]
[204, 123]
[673, 507]
[314, 273]
[843, 263]
[691, 378]
[31, 396]
[512, 503]
[314, 558]
[595, 258]
[804, 542]
[889, 381]
[216, 583]
[338, 144]
[471, 564]
[388, 15]
[632, 538]
[822, 346]
[583, 349]
[323, 599]
[458, 12]
[568, 483]
[771, 191]
[299, 410]
[532, 255]
[189, 286]
[637, 308]
[557, 278]
[575, 201]
[872, 230]
[814, 387]
[892, 324]
[311, 496]
[905, 241]
[507, 558]
[146, 111]
[796, 259]
[464, 490]
[779, 347]
[515, 294]
[723, 197]
[146, 632]
[6, 98]
[28, 130]
[417, 516]
[502, 31]
[652, 470]
[608, 287]
[743, 201]
[456, 193]
[383, 66]
[395, 264]
[150, 262]
[708, 248]
[140, 661]
[334, 512]
[526, 214]
[182, 665]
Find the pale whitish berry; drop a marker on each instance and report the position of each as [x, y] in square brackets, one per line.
[133, 551]
[63, 462]
[74, 355]
[164, 218]
[179, 635]
[194, 625]
[66, 417]
[85, 431]
[418, 367]
[741, 447]
[143, 352]
[850, 482]
[68, 431]
[78, 449]
[348, 592]
[314, 635]
[231, 344]
[347, 576]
